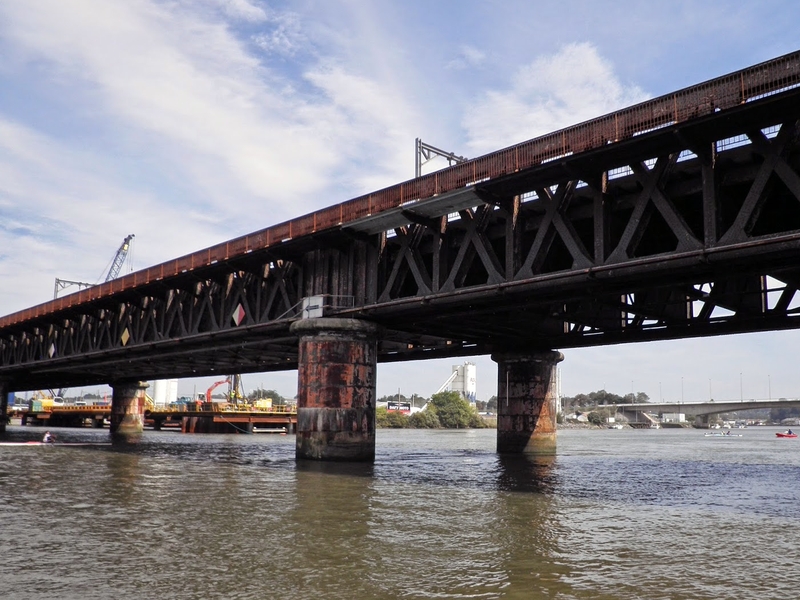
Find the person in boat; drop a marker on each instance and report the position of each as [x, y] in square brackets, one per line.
[789, 432]
[48, 438]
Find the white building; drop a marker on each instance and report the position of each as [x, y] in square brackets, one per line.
[465, 381]
[165, 391]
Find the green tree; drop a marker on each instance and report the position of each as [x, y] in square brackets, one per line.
[393, 419]
[424, 419]
[599, 398]
[381, 417]
[392, 398]
[595, 418]
[398, 420]
[476, 421]
[453, 411]
[777, 415]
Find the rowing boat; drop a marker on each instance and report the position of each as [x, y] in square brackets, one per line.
[782, 434]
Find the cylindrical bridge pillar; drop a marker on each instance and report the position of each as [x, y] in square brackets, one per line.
[127, 409]
[336, 373]
[526, 402]
[3, 405]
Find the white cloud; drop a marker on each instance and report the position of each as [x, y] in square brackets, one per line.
[241, 9]
[62, 214]
[468, 57]
[285, 38]
[178, 124]
[372, 123]
[187, 87]
[552, 92]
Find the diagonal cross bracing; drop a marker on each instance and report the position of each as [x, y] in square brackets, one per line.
[544, 251]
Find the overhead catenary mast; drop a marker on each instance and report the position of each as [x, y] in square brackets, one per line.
[426, 153]
[113, 272]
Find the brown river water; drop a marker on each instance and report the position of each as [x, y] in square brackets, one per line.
[615, 514]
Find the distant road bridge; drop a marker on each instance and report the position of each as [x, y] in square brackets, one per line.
[701, 409]
[678, 217]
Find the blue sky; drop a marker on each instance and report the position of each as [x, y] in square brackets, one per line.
[190, 122]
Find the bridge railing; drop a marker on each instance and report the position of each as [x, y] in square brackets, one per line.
[718, 94]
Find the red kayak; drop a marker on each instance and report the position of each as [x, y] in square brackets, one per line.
[786, 435]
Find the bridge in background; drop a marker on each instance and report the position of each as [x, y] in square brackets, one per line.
[677, 217]
[633, 412]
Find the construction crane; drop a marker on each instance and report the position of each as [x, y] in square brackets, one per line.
[214, 386]
[119, 258]
[113, 272]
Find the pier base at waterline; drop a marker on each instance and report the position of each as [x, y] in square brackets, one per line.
[526, 402]
[336, 375]
[127, 409]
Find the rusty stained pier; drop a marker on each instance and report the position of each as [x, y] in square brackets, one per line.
[678, 217]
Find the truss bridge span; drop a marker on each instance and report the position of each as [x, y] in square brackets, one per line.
[678, 217]
[674, 218]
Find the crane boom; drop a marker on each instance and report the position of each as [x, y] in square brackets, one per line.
[214, 386]
[119, 258]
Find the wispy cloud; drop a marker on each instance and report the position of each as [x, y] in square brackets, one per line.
[242, 9]
[552, 92]
[468, 57]
[179, 122]
[284, 36]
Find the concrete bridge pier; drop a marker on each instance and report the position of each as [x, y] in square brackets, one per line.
[526, 402]
[701, 421]
[3, 405]
[127, 409]
[336, 374]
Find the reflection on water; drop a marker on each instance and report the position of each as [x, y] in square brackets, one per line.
[524, 473]
[615, 514]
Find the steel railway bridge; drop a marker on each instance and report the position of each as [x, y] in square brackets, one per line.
[677, 217]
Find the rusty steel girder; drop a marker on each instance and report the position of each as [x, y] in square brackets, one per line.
[690, 229]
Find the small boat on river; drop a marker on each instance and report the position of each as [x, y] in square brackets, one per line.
[725, 434]
[786, 434]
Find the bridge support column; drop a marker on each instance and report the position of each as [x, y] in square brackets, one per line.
[127, 409]
[336, 389]
[526, 402]
[3, 405]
